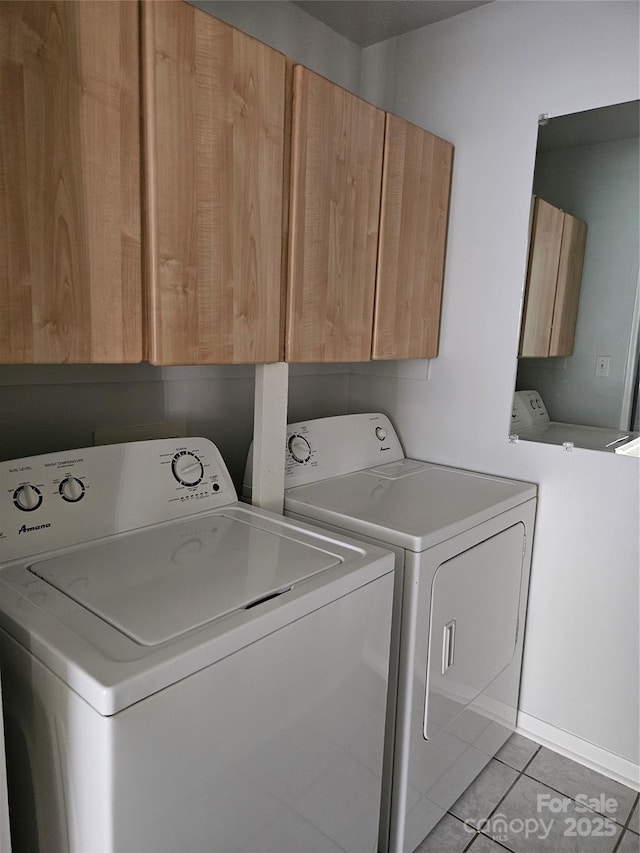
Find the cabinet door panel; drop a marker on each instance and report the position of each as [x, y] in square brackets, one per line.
[413, 223]
[565, 311]
[336, 168]
[544, 259]
[214, 131]
[70, 254]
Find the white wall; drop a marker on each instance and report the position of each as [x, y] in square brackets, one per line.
[599, 184]
[480, 80]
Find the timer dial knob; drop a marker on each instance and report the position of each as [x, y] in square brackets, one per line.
[71, 489]
[187, 468]
[299, 448]
[381, 433]
[27, 498]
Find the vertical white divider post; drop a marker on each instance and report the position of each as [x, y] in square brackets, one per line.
[270, 435]
[5, 838]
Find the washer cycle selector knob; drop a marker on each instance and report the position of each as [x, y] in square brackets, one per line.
[187, 468]
[381, 433]
[27, 498]
[71, 489]
[299, 448]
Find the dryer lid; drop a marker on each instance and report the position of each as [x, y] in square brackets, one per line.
[412, 505]
[160, 583]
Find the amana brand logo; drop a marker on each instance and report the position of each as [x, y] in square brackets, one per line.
[25, 529]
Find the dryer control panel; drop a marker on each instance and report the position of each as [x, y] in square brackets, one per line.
[61, 499]
[328, 447]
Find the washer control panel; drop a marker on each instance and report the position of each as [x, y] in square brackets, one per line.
[61, 499]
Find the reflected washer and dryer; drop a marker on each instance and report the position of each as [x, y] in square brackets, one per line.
[530, 422]
[181, 671]
[462, 542]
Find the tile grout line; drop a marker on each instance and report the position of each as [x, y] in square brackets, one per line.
[562, 793]
[507, 792]
[568, 796]
[633, 808]
[520, 773]
[625, 828]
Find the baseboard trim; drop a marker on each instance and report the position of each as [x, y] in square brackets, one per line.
[583, 751]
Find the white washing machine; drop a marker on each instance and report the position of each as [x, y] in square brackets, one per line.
[462, 542]
[181, 672]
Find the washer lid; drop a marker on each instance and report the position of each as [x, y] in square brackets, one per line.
[410, 504]
[157, 584]
[199, 589]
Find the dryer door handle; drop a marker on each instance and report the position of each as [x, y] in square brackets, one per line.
[448, 645]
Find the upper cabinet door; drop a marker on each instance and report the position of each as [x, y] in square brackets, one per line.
[556, 254]
[544, 259]
[70, 254]
[416, 182]
[565, 310]
[336, 167]
[214, 130]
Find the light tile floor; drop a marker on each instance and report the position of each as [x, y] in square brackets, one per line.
[529, 799]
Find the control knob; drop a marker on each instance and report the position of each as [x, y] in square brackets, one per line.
[299, 448]
[71, 489]
[187, 468]
[27, 498]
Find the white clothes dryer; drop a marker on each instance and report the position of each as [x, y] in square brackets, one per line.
[181, 672]
[462, 542]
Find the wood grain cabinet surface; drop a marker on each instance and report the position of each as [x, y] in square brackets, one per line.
[368, 221]
[416, 183]
[214, 103]
[240, 157]
[336, 172]
[70, 252]
[554, 275]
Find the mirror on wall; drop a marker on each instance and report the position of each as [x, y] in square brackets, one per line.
[579, 341]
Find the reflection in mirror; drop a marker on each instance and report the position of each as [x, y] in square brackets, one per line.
[579, 344]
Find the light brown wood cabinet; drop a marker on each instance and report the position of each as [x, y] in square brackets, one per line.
[368, 221]
[554, 275]
[209, 280]
[416, 182]
[70, 249]
[336, 172]
[214, 106]
[71, 287]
